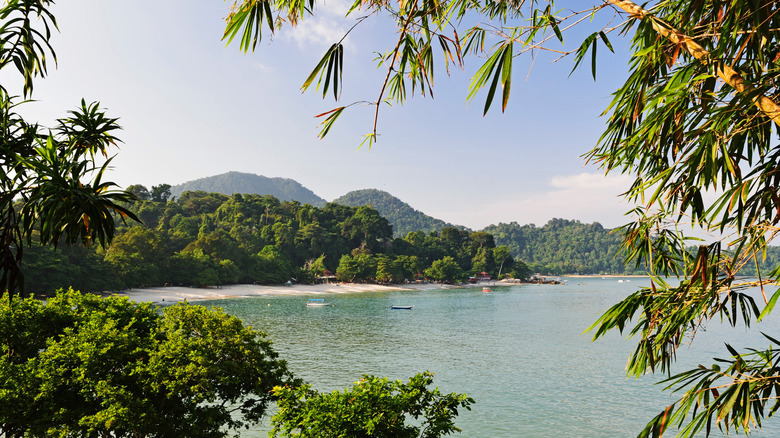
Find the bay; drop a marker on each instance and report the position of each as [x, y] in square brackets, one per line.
[520, 351]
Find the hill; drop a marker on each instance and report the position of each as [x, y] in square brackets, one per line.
[284, 189]
[563, 246]
[401, 216]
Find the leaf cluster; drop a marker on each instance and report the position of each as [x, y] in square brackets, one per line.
[373, 407]
[430, 32]
[80, 365]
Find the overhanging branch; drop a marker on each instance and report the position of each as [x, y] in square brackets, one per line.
[727, 74]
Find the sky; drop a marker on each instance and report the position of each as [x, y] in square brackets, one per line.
[192, 107]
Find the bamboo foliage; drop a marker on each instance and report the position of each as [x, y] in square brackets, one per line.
[696, 118]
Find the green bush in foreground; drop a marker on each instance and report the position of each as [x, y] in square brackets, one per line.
[80, 365]
[374, 407]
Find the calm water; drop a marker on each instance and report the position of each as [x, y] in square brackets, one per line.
[519, 351]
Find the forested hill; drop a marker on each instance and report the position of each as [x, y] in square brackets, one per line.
[562, 246]
[206, 239]
[401, 215]
[283, 189]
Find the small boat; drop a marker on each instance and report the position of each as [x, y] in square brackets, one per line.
[401, 307]
[317, 302]
[485, 289]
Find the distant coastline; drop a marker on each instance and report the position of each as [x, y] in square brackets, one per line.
[604, 276]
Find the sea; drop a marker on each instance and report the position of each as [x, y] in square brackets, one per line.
[521, 351]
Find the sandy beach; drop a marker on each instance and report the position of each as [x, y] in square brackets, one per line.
[164, 295]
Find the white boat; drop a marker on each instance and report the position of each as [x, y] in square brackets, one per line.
[317, 302]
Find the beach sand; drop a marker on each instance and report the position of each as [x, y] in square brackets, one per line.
[164, 295]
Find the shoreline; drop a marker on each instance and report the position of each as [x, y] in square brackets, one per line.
[175, 294]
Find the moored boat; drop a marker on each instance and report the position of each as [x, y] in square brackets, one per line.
[317, 302]
[401, 307]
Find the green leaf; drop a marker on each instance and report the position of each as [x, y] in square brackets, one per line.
[556, 29]
[330, 68]
[318, 69]
[582, 50]
[606, 41]
[506, 75]
[493, 85]
[326, 124]
[593, 60]
[769, 306]
[248, 21]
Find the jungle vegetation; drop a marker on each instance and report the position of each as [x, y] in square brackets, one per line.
[208, 239]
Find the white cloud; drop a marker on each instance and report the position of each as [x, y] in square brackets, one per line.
[591, 181]
[317, 32]
[334, 7]
[324, 28]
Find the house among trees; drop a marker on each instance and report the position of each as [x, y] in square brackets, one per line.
[326, 277]
[483, 276]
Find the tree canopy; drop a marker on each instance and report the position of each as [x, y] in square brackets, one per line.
[373, 407]
[81, 365]
[207, 239]
[695, 124]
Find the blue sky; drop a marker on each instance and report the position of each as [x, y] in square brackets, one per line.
[191, 107]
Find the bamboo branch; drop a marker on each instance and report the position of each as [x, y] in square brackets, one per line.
[725, 72]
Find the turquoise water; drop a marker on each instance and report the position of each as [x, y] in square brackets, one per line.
[519, 351]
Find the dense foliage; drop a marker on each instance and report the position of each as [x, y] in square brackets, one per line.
[374, 407]
[212, 239]
[563, 246]
[80, 365]
[284, 189]
[401, 216]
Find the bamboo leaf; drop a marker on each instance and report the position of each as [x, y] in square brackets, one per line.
[583, 49]
[330, 68]
[554, 25]
[606, 41]
[733, 395]
[506, 75]
[493, 85]
[769, 306]
[317, 70]
[331, 118]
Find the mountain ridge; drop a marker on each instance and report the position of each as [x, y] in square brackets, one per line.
[284, 189]
[401, 215]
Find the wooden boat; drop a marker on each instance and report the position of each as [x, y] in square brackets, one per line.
[401, 307]
[317, 302]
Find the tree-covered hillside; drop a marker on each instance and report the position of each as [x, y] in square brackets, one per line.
[563, 246]
[205, 239]
[401, 215]
[284, 189]
[569, 246]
